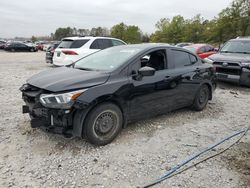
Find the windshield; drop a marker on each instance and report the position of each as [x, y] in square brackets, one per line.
[108, 59]
[236, 47]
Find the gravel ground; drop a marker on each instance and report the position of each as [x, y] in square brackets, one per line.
[140, 154]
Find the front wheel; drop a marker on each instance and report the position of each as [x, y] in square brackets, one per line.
[201, 98]
[103, 124]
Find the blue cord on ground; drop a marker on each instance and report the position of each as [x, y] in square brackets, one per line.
[175, 169]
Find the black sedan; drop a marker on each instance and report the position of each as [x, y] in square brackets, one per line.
[20, 47]
[105, 91]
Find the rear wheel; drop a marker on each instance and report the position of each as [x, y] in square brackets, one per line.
[32, 50]
[12, 49]
[201, 98]
[103, 124]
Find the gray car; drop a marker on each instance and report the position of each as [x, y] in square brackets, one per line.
[232, 63]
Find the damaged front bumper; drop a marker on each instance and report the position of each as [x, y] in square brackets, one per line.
[51, 120]
[59, 121]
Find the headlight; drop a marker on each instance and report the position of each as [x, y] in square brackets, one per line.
[246, 64]
[62, 101]
[207, 60]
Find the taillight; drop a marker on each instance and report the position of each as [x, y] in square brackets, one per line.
[69, 52]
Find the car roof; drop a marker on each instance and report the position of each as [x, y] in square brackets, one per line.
[145, 46]
[88, 37]
[199, 45]
[241, 39]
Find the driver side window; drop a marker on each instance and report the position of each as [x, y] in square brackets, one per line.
[155, 59]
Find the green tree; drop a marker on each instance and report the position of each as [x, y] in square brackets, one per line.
[119, 31]
[194, 29]
[128, 33]
[63, 32]
[145, 38]
[133, 34]
[99, 31]
[169, 31]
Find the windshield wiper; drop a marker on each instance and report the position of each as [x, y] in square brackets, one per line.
[227, 52]
[82, 68]
[235, 52]
[243, 52]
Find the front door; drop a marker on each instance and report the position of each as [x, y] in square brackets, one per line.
[151, 95]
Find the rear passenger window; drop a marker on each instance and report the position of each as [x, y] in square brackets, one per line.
[117, 43]
[101, 44]
[104, 43]
[95, 45]
[78, 43]
[181, 58]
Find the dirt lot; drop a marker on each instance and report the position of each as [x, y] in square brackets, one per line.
[141, 153]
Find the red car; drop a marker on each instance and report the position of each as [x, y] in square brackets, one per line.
[202, 50]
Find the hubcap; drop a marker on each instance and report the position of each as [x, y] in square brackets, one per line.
[105, 123]
[203, 96]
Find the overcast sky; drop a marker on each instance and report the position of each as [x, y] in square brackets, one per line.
[42, 17]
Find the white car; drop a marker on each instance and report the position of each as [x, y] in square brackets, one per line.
[72, 49]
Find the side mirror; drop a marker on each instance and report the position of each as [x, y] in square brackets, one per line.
[146, 71]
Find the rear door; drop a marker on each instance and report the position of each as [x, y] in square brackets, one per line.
[24, 48]
[20, 47]
[186, 67]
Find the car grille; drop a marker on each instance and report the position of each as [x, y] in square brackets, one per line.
[228, 64]
[228, 71]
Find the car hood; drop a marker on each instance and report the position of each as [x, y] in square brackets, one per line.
[231, 57]
[64, 78]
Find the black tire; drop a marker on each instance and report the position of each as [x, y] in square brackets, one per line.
[103, 124]
[201, 98]
[32, 50]
[12, 50]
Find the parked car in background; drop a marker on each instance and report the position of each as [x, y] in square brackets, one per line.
[72, 49]
[183, 44]
[20, 47]
[46, 46]
[103, 92]
[50, 52]
[232, 63]
[202, 50]
[40, 45]
[2, 44]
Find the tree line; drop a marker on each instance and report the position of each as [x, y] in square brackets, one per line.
[231, 22]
